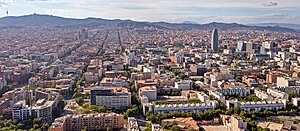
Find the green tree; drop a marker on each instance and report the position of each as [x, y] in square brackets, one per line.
[175, 128]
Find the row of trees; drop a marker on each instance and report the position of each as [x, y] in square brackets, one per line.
[31, 125]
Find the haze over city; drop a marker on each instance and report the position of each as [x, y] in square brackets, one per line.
[198, 11]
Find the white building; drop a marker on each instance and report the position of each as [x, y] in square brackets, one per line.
[203, 97]
[241, 92]
[132, 124]
[217, 95]
[167, 108]
[296, 101]
[45, 103]
[149, 91]
[263, 95]
[277, 93]
[258, 106]
[183, 85]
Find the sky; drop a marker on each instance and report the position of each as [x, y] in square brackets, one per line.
[176, 11]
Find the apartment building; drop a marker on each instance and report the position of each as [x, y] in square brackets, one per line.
[100, 121]
[132, 124]
[241, 92]
[149, 91]
[277, 93]
[111, 98]
[167, 108]
[106, 82]
[217, 95]
[263, 95]
[4, 104]
[234, 123]
[183, 85]
[258, 106]
[42, 107]
[293, 89]
[287, 81]
[191, 94]
[142, 83]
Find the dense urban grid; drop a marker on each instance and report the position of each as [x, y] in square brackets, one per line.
[143, 77]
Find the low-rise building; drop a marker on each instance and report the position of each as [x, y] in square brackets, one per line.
[258, 106]
[240, 92]
[185, 123]
[107, 82]
[234, 123]
[167, 108]
[277, 93]
[287, 81]
[183, 85]
[263, 95]
[100, 121]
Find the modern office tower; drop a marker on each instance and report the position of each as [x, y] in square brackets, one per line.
[249, 47]
[241, 46]
[214, 40]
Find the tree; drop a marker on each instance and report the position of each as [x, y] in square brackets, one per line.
[37, 121]
[45, 127]
[238, 78]
[79, 101]
[35, 126]
[175, 128]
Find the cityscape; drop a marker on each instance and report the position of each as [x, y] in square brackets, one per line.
[61, 73]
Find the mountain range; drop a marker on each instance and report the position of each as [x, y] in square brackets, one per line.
[36, 20]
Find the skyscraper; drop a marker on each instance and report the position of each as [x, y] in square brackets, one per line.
[241, 46]
[214, 40]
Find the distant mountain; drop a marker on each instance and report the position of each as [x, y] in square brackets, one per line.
[36, 20]
[286, 25]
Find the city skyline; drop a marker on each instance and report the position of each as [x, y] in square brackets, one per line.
[228, 11]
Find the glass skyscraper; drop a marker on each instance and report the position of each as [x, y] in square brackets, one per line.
[214, 40]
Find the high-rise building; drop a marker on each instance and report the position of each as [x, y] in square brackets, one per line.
[249, 47]
[214, 40]
[241, 46]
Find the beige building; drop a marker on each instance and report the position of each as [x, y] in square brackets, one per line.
[235, 123]
[100, 121]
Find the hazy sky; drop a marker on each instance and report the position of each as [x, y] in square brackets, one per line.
[200, 11]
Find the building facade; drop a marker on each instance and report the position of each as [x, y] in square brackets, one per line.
[111, 98]
[101, 121]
